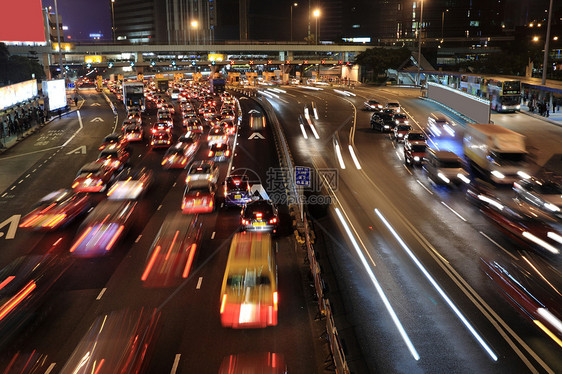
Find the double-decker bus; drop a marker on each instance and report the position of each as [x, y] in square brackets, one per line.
[504, 94]
[249, 288]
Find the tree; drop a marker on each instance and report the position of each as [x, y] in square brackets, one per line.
[378, 60]
[14, 69]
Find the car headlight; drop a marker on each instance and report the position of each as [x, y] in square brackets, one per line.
[463, 178]
[497, 174]
[416, 158]
[400, 135]
[504, 107]
[551, 207]
[444, 178]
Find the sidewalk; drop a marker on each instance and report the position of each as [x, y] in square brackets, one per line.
[554, 118]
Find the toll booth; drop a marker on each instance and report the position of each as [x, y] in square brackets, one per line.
[234, 79]
[252, 77]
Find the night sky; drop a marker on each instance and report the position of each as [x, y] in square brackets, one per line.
[83, 17]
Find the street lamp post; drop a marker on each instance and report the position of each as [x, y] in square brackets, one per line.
[316, 15]
[62, 71]
[546, 45]
[294, 5]
[443, 22]
[420, 43]
[113, 20]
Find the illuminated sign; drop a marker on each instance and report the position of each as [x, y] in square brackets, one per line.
[56, 93]
[65, 46]
[357, 40]
[91, 59]
[215, 57]
[22, 21]
[16, 93]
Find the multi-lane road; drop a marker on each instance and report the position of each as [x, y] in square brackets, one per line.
[408, 291]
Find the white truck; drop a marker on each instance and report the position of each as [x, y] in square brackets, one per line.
[496, 151]
[133, 95]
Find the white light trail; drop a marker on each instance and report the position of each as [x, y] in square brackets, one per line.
[338, 154]
[303, 131]
[438, 288]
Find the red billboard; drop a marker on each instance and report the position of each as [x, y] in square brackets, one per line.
[22, 21]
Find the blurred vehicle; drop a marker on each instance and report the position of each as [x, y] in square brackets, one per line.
[414, 152]
[130, 184]
[160, 102]
[228, 126]
[193, 124]
[439, 125]
[171, 255]
[249, 297]
[217, 135]
[115, 156]
[135, 116]
[117, 342]
[400, 131]
[56, 210]
[214, 120]
[103, 227]
[26, 286]
[445, 167]
[259, 215]
[209, 112]
[372, 104]
[400, 119]
[27, 363]
[93, 177]
[190, 138]
[161, 139]
[532, 287]
[178, 156]
[128, 122]
[545, 194]
[165, 117]
[133, 133]
[199, 198]
[228, 114]
[496, 151]
[237, 190]
[202, 172]
[383, 121]
[161, 126]
[113, 138]
[219, 152]
[257, 121]
[394, 105]
[254, 363]
[169, 107]
[414, 136]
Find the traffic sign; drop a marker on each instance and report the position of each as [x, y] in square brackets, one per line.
[302, 176]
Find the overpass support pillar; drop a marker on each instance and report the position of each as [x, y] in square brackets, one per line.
[46, 59]
[282, 55]
[139, 60]
[214, 69]
[346, 57]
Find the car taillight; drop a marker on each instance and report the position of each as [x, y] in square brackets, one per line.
[273, 220]
[210, 153]
[245, 221]
[101, 147]
[275, 300]
[228, 153]
[223, 303]
[259, 215]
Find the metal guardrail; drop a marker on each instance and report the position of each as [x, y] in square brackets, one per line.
[305, 236]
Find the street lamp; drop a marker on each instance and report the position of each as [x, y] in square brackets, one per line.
[443, 22]
[195, 26]
[62, 71]
[546, 45]
[419, 43]
[316, 15]
[113, 20]
[294, 5]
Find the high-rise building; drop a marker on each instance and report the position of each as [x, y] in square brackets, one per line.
[53, 36]
[165, 21]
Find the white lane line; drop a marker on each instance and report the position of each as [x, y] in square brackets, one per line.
[424, 187]
[12, 188]
[159, 207]
[213, 235]
[408, 170]
[199, 283]
[50, 368]
[77, 131]
[452, 210]
[5, 193]
[398, 154]
[379, 289]
[498, 245]
[174, 184]
[19, 182]
[28, 175]
[303, 131]
[354, 157]
[30, 153]
[438, 288]
[101, 293]
[34, 170]
[176, 363]
[138, 238]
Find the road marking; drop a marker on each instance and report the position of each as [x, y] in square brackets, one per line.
[339, 156]
[498, 245]
[19, 182]
[408, 170]
[97, 119]
[12, 188]
[30, 153]
[34, 170]
[424, 187]
[398, 154]
[176, 363]
[174, 184]
[138, 238]
[354, 157]
[79, 150]
[50, 368]
[452, 210]
[5, 193]
[213, 235]
[159, 207]
[27, 176]
[96, 104]
[101, 293]
[256, 135]
[77, 131]
[199, 283]
[303, 131]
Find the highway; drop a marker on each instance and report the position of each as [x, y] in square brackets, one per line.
[402, 254]
[406, 253]
[190, 338]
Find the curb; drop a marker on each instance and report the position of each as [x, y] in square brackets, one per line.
[537, 116]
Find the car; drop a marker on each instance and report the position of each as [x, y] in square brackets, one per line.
[394, 105]
[133, 133]
[400, 131]
[190, 138]
[161, 126]
[161, 139]
[165, 117]
[414, 152]
[217, 135]
[115, 156]
[103, 227]
[209, 113]
[113, 138]
[237, 190]
[259, 215]
[372, 104]
[439, 125]
[414, 136]
[199, 199]
[400, 119]
[135, 116]
[228, 126]
[171, 255]
[445, 167]
[56, 210]
[128, 122]
[93, 177]
[169, 107]
[383, 121]
[201, 172]
[213, 120]
[219, 152]
[160, 102]
[544, 193]
[228, 114]
[178, 156]
[130, 184]
[194, 125]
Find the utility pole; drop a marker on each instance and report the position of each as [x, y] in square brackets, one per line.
[546, 45]
[62, 70]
